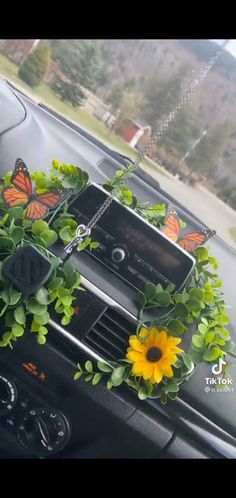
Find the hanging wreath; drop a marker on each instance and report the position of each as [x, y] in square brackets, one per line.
[156, 363]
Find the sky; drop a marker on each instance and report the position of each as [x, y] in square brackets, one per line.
[231, 46]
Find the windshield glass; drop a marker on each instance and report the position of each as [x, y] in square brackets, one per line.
[121, 90]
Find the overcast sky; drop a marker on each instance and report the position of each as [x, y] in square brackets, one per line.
[231, 46]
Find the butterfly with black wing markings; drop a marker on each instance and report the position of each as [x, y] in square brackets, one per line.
[189, 241]
[21, 192]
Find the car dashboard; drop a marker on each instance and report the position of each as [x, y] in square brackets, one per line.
[50, 415]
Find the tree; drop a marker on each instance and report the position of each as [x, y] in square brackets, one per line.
[69, 92]
[79, 61]
[35, 66]
[115, 97]
[162, 96]
[181, 134]
[209, 150]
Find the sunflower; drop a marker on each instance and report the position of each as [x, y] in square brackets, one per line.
[152, 358]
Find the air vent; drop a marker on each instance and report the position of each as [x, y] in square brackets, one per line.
[110, 335]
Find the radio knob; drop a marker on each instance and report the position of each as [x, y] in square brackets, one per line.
[118, 254]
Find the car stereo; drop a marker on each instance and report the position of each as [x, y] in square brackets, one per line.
[129, 246]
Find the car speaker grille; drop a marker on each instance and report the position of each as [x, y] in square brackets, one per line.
[110, 335]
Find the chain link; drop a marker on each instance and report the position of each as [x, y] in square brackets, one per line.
[156, 137]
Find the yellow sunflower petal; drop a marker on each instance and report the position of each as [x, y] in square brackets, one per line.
[157, 374]
[134, 355]
[166, 369]
[161, 339]
[135, 344]
[143, 332]
[142, 368]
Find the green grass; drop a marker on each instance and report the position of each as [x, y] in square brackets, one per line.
[80, 116]
[232, 232]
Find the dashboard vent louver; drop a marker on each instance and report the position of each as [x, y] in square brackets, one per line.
[110, 335]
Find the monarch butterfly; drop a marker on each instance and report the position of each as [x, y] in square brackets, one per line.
[21, 192]
[190, 241]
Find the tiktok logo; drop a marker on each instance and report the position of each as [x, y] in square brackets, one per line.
[218, 368]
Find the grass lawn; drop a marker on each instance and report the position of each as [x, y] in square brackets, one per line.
[80, 116]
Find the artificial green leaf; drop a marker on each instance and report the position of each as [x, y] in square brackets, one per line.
[56, 283]
[65, 320]
[17, 235]
[202, 253]
[163, 298]
[117, 376]
[78, 375]
[196, 356]
[17, 330]
[7, 336]
[149, 291]
[10, 296]
[19, 314]
[42, 296]
[89, 366]
[171, 388]
[172, 396]
[211, 354]
[181, 310]
[202, 328]
[96, 379]
[193, 305]
[187, 360]
[42, 319]
[66, 234]
[39, 226]
[170, 288]
[43, 330]
[176, 326]
[198, 341]
[104, 367]
[16, 213]
[88, 378]
[36, 308]
[6, 242]
[41, 339]
[142, 393]
[49, 237]
[197, 294]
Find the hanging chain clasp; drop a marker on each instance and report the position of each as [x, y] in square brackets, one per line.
[81, 233]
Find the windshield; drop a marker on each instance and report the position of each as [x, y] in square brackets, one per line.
[121, 90]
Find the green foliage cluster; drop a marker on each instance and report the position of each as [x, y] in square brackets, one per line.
[199, 309]
[35, 66]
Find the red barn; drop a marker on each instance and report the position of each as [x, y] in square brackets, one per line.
[134, 130]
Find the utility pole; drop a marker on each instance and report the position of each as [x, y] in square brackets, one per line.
[193, 146]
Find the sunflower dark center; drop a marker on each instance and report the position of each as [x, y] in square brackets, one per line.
[153, 354]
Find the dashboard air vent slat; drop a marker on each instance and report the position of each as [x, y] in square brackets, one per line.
[109, 336]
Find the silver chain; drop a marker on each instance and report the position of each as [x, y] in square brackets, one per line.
[156, 137]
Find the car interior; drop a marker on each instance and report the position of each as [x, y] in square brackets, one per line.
[44, 414]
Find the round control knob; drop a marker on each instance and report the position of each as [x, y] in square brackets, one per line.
[118, 254]
[43, 431]
[8, 395]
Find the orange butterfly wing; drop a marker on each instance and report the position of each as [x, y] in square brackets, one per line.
[13, 197]
[192, 240]
[52, 199]
[171, 227]
[40, 204]
[35, 211]
[21, 177]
